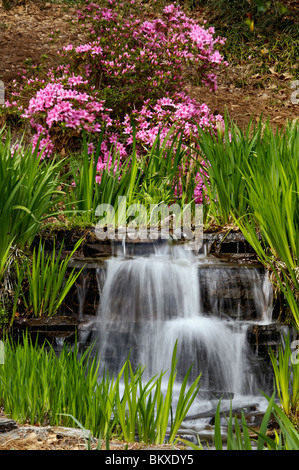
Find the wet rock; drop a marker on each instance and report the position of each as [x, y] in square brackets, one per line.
[7, 425]
[263, 337]
[223, 242]
[215, 395]
[223, 412]
[48, 328]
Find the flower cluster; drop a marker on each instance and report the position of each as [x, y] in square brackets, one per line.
[62, 104]
[131, 67]
[178, 112]
[145, 59]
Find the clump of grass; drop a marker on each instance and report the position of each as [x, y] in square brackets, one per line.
[271, 225]
[151, 179]
[252, 180]
[40, 387]
[239, 437]
[47, 279]
[29, 192]
[146, 408]
[225, 155]
[286, 372]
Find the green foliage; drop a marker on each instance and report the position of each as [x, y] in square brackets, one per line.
[236, 11]
[3, 318]
[239, 438]
[116, 181]
[38, 386]
[225, 155]
[127, 405]
[8, 4]
[148, 409]
[273, 193]
[151, 179]
[48, 280]
[165, 172]
[253, 180]
[286, 373]
[260, 33]
[287, 438]
[28, 193]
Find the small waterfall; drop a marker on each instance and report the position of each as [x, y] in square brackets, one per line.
[149, 302]
[213, 347]
[264, 299]
[81, 292]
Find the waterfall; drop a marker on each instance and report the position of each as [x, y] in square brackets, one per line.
[149, 302]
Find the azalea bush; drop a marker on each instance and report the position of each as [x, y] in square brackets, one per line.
[134, 64]
[126, 51]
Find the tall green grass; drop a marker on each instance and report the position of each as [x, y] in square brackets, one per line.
[47, 279]
[253, 181]
[29, 193]
[36, 385]
[40, 387]
[86, 194]
[273, 197]
[225, 155]
[286, 372]
[162, 174]
[148, 408]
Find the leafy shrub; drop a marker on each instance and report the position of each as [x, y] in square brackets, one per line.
[130, 67]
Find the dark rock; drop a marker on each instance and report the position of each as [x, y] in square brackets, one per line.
[223, 412]
[7, 425]
[47, 328]
[215, 395]
[223, 242]
[263, 337]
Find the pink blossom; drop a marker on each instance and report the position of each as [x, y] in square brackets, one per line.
[145, 64]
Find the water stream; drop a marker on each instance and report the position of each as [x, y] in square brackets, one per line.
[148, 302]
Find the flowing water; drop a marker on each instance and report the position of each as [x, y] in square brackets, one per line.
[147, 303]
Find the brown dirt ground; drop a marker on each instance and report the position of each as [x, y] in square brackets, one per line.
[25, 34]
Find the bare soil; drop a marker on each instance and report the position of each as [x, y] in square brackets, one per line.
[25, 33]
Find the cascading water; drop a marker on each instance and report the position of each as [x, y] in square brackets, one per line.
[150, 300]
